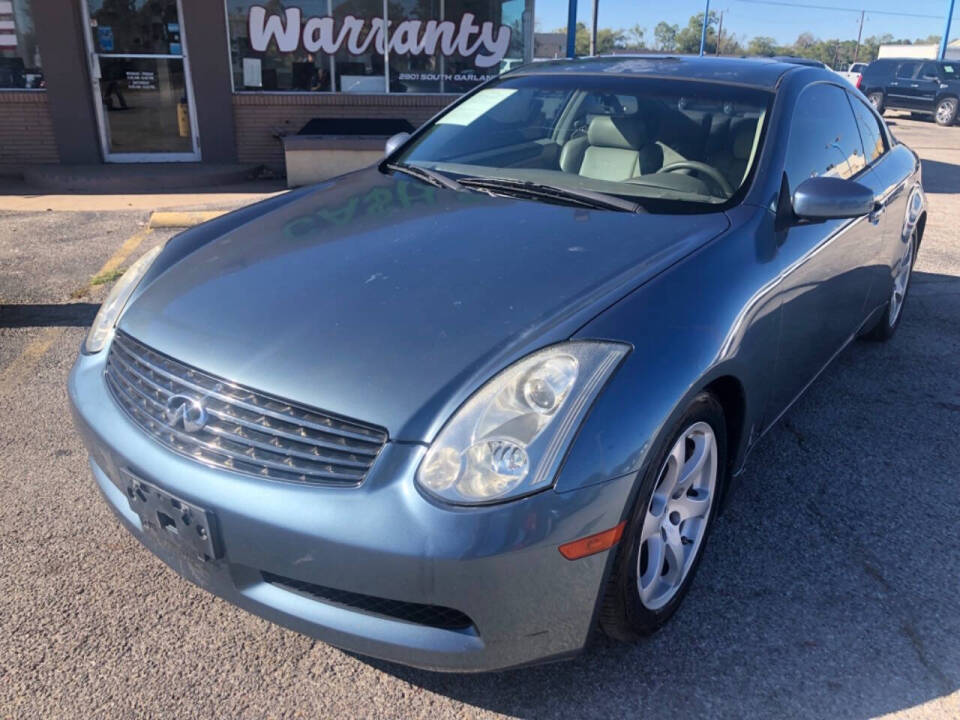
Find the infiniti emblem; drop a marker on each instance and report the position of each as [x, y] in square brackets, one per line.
[185, 411]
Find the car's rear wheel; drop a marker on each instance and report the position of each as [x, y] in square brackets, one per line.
[889, 320]
[876, 99]
[946, 113]
[669, 525]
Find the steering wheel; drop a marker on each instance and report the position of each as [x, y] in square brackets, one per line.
[700, 167]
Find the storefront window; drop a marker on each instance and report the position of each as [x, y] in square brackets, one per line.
[20, 66]
[372, 46]
[358, 64]
[138, 27]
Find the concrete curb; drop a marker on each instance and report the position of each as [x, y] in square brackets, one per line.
[183, 219]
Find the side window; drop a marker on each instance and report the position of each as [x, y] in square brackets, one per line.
[874, 140]
[928, 71]
[824, 139]
[906, 71]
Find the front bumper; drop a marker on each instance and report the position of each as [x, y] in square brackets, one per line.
[499, 565]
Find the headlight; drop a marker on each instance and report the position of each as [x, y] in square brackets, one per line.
[508, 439]
[112, 307]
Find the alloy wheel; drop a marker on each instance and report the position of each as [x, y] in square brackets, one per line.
[946, 111]
[676, 519]
[901, 280]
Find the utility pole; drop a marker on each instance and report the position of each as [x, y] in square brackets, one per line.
[572, 28]
[706, 22]
[593, 29]
[856, 52]
[719, 33]
[945, 40]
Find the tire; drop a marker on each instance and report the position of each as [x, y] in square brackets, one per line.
[624, 615]
[946, 112]
[876, 99]
[889, 320]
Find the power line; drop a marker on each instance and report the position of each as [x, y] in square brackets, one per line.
[807, 6]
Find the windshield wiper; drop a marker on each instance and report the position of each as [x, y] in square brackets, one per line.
[428, 176]
[586, 198]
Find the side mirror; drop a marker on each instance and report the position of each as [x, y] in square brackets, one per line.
[396, 141]
[830, 198]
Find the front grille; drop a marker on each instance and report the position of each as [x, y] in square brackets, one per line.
[433, 615]
[245, 431]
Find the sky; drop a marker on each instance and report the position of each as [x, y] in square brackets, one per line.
[780, 19]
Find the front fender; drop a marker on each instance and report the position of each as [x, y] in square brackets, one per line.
[713, 315]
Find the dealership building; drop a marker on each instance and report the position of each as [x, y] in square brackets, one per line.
[85, 82]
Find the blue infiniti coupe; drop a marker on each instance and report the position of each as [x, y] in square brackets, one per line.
[458, 409]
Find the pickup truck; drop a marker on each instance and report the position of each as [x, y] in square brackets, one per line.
[853, 74]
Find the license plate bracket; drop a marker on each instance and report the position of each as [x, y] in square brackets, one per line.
[184, 526]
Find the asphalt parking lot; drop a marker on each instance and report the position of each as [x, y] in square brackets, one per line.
[830, 589]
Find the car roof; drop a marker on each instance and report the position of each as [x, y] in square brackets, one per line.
[905, 59]
[757, 72]
[794, 60]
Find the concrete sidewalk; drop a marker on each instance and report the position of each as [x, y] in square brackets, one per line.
[17, 196]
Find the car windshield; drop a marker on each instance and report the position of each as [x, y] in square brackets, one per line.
[950, 71]
[665, 145]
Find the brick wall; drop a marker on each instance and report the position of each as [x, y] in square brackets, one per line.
[258, 117]
[26, 132]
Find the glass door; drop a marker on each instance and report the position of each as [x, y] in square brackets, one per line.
[141, 81]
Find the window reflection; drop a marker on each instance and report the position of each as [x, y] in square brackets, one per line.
[20, 66]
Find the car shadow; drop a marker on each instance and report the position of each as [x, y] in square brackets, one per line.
[940, 177]
[48, 315]
[829, 586]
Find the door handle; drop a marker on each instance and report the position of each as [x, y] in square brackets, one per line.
[878, 209]
[914, 85]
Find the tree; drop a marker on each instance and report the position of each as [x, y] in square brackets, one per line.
[666, 36]
[688, 39]
[805, 41]
[729, 45]
[762, 45]
[608, 40]
[637, 32]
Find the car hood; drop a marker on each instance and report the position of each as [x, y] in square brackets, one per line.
[389, 301]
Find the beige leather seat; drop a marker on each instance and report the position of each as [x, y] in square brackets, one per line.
[615, 148]
[733, 161]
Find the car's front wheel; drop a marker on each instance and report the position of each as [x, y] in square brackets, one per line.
[667, 531]
[876, 99]
[946, 113]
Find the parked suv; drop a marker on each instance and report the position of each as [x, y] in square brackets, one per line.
[920, 86]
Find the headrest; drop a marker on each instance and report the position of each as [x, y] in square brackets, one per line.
[618, 132]
[743, 140]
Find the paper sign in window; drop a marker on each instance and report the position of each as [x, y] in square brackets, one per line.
[475, 106]
[252, 72]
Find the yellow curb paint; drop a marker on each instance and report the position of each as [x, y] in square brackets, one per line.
[12, 376]
[183, 219]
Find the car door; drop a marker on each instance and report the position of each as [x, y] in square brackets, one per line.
[923, 88]
[824, 281]
[899, 92]
[886, 179]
